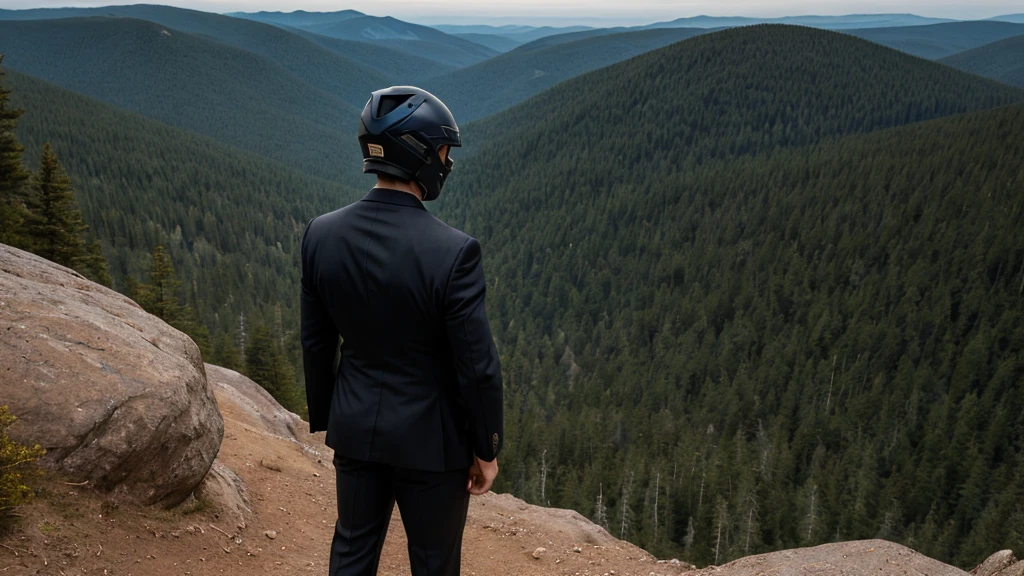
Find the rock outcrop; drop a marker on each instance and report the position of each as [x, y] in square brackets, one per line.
[118, 398]
[1002, 563]
[256, 402]
[857, 558]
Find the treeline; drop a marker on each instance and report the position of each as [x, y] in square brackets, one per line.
[38, 210]
[201, 235]
[776, 351]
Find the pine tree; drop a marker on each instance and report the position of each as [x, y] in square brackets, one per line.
[161, 297]
[13, 175]
[267, 365]
[54, 226]
[225, 353]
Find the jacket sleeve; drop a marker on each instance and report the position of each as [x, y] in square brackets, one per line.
[476, 358]
[319, 346]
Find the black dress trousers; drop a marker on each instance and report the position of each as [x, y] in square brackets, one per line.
[433, 506]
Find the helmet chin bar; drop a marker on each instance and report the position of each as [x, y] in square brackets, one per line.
[432, 176]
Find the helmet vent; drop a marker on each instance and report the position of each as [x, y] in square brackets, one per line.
[389, 103]
[412, 141]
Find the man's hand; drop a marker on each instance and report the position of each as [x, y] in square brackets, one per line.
[481, 476]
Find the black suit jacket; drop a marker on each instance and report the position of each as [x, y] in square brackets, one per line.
[419, 382]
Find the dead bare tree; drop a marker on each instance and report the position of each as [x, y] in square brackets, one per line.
[810, 514]
[241, 334]
[722, 517]
[657, 482]
[828, 401]
[751, 511]
[1021, 289]
[543, 476]
[690, 534]
[600, 511]
[627, 485]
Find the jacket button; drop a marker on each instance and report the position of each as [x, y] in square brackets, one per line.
[494, 442]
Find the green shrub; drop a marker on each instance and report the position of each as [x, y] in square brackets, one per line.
[18, 468]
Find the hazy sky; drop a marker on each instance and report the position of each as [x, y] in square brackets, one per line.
[599, 12]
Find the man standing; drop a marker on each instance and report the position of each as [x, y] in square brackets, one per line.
[414, 410]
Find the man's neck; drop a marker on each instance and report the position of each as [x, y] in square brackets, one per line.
[407, 187]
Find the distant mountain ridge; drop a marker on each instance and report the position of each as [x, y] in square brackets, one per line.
[827, 22]
[1002, 61]
[298, 18]
[936, 41]
[190, 81]
[482, 89]
[414, 39]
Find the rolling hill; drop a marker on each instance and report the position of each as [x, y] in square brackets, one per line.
[411, 38]
[940, 40]
[298, 18]
[230, 219]
[232, 95]
[740, 277]
[401, 67]
[826, 22]
[1018, 18]
[1002, 61]
[350, 76]
[352, 68]
[495, 42]
[518, 34]
[687, 110]
[505, 80]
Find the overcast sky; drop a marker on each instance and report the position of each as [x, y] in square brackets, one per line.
[593, 12]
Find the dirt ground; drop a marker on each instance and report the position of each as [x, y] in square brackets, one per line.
[73, 530]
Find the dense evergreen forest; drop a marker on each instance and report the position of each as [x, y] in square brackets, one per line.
[194, 82]
[822, 344]
[758, 289]
[229, 220]
[503, 81]
[1002, 61]
[726, 328]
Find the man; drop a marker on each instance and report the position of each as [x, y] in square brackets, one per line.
[414, 410]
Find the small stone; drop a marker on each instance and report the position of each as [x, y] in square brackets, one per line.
[538, 552]
[577, 549]
[271, 534]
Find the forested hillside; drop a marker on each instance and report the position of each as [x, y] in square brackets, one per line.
[735, 92]
[728, 325]
[755, 289]
[940, 40]
[348, 71]
[403, 67]
[414, 39]
[506, 80]
[1002, 61]
[230, 220]
[234, 96]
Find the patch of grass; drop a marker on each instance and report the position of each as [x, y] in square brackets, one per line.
[49, 528]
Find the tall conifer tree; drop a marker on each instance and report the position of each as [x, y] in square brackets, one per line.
[13, 175]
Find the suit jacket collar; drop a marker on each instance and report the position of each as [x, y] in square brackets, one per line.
[397, 197]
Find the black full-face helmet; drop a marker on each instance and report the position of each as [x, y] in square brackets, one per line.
[400, 132]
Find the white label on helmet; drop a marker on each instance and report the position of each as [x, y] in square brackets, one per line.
[376, 150]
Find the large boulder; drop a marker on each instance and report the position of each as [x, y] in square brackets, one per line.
[256, 403]
[856, 558]
[995, 564]
[118, 398]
